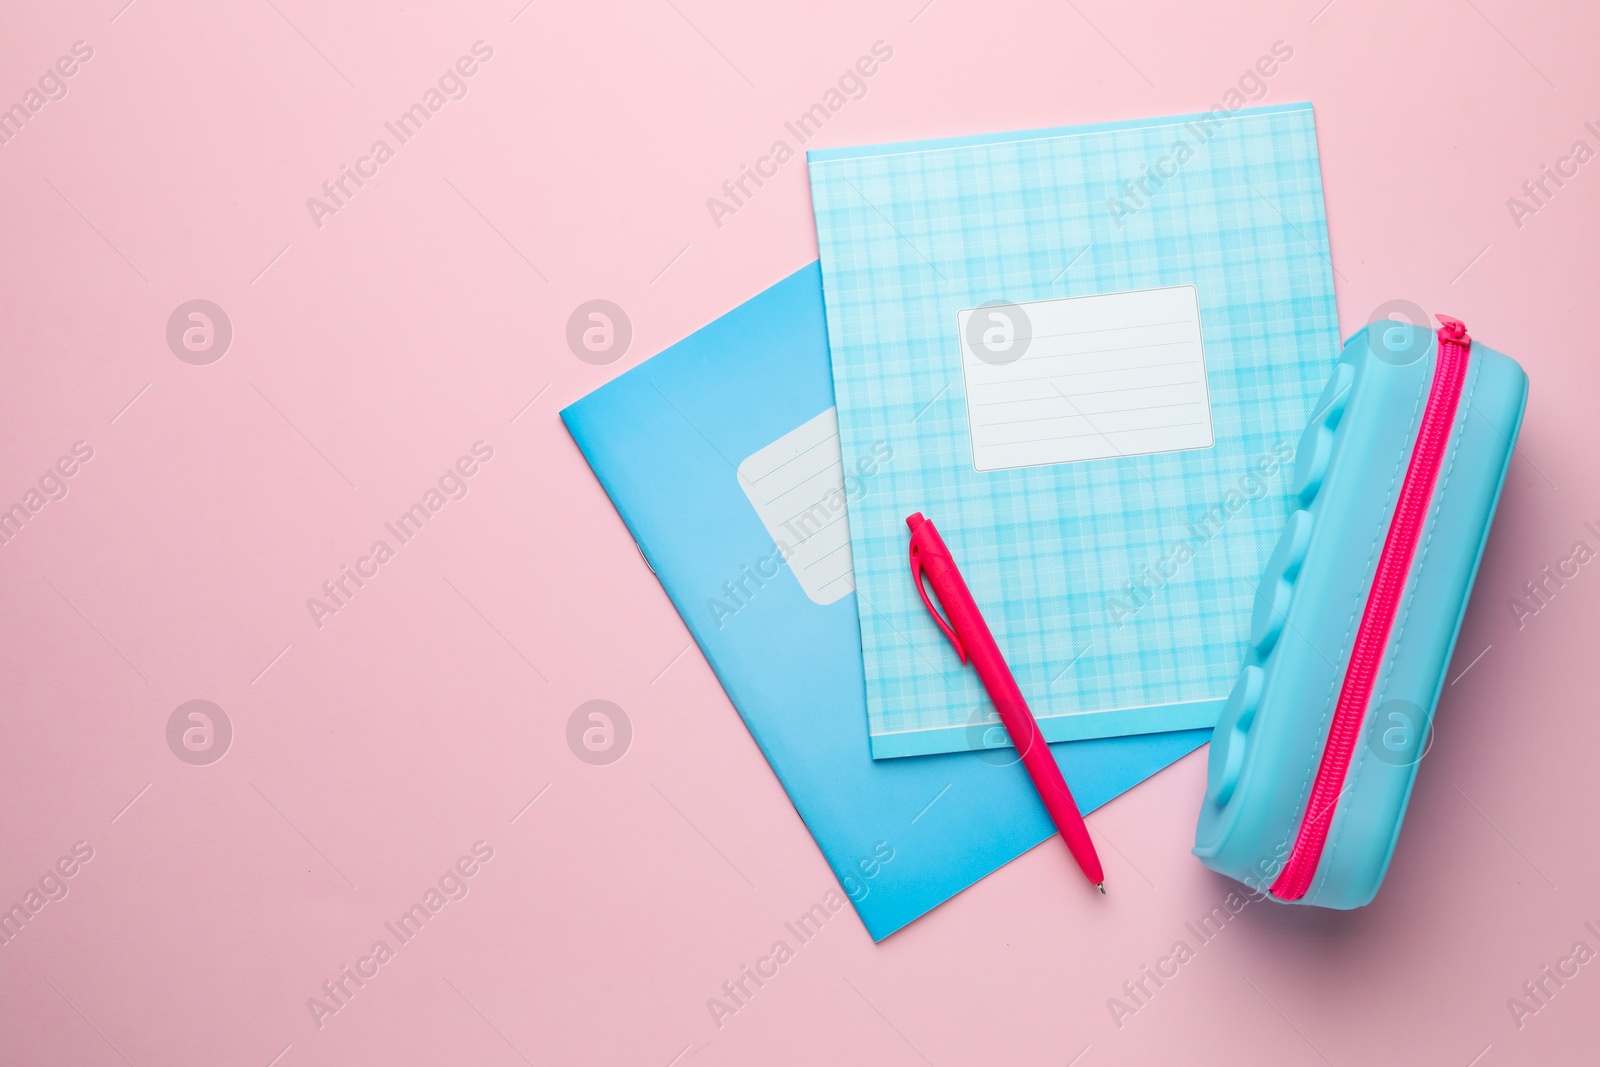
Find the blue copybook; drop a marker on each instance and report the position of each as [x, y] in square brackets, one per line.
[1092, 350]
[721, 457]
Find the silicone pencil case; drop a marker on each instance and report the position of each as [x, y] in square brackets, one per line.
[1397, 476]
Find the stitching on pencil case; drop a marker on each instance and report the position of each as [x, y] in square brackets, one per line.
[1414, 583]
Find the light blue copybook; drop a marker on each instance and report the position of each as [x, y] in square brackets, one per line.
[1091, 351]
[720, 456]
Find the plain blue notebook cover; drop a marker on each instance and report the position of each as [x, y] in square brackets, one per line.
[665, 439]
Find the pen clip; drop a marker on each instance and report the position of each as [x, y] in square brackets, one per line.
[916, 576]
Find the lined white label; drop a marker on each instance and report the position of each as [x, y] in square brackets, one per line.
[796, 485]
[1090, 377]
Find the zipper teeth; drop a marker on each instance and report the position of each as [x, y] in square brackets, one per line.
[1383, 602]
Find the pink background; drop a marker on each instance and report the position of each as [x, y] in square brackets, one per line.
[369, 353]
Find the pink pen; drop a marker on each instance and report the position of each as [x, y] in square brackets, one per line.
[971, 637]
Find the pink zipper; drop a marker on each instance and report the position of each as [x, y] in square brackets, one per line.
[1383, 602]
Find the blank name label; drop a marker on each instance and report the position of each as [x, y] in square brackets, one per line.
[796, 485]
[1089, 377]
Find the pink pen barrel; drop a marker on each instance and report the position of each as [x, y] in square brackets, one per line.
[973, 640]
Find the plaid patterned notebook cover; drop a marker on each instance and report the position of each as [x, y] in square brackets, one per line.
[1088, 353]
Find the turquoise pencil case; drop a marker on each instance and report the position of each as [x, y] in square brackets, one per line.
[1396, 477]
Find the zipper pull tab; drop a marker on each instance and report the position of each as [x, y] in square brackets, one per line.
[915, 522]
[1453, 331]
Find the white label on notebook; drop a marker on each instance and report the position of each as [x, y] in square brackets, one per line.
[796, 485]
[1089, 377]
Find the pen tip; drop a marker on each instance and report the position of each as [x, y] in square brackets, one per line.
[1102, 887]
